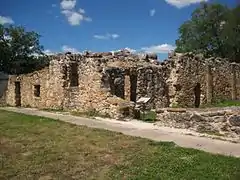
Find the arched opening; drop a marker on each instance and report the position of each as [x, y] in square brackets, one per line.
[197, 93]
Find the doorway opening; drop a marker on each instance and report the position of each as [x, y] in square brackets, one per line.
[197, 93]
[37, 90]
[133, 88]
[17, 94]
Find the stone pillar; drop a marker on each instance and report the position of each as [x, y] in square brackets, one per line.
[209, 83]
[234, 81]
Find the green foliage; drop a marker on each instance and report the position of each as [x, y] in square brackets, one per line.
[149, 116]
[226, 103]
[231, 35]
[213, 30]
[175, 105]
[222, 103]
[20, 50]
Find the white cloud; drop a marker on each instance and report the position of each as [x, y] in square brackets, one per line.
[68, 4]
[6, 20]
[114, 36]
[54, 5]
[100, 37]
[66, 48]
[82, 11]
[152, 12]
[73, 16]
[48, 52]
[163, 48]
[106, 36]
[130, 50]
[183, 3]
[87, 19]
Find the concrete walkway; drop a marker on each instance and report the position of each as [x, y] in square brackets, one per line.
[142, 129]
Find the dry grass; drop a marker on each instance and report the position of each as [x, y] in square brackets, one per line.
[39, 148]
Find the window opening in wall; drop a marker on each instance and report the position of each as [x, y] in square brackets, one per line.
[74, 75]
[118, 88]
[37, 90]
[197, 93]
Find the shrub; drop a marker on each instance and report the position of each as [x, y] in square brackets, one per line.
[149, 116]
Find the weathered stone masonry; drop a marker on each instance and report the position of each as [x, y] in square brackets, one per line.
[107, 81]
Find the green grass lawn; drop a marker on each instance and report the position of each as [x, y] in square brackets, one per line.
[226, 103]
[40, 148]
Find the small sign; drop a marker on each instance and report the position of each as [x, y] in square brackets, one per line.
[143, 100]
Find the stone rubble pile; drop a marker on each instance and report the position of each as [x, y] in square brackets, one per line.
[215, 121]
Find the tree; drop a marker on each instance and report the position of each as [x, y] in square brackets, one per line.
[211, 31]
[231, 35]
[19, 50]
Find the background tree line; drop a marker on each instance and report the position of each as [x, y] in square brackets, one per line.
[213, 30]
[20, 50]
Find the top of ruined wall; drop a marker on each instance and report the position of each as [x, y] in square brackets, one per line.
[185, 57]
[126, 59]
[188, 62]
[120, 59]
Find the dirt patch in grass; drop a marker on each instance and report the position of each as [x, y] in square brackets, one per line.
[40, 148]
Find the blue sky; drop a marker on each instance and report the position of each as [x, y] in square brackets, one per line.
[102, 25]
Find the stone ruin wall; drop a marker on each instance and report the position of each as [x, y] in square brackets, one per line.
[50, 89]
[195, 81]
[217, 79]
[106, 81]
[221, 122]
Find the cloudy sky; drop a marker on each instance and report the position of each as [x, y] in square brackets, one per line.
[102, 25]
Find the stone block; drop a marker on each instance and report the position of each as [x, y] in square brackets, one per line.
[234, 120]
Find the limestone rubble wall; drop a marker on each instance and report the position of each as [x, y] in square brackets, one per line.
[222, 122]
[214, 76]
[89, 93]
[152, 84]
[107, 81]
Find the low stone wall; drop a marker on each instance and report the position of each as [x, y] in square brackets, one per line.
[214, 121]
